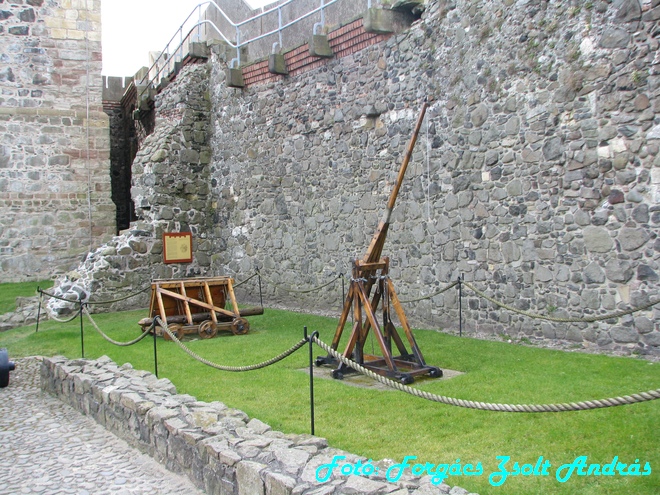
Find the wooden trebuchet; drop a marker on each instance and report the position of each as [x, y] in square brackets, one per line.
[373, 271]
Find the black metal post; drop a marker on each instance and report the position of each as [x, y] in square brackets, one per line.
[82, 339]
[460, 305]
[39, 310]
[261, 297]
[343, 288]
[153, 331]
[310, 339]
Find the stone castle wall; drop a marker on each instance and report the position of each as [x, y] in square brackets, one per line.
[536, 175]
[54, 146]
[170, 189]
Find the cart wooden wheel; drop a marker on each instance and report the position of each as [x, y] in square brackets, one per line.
[207, 330]
[240, 326]
[176, 329]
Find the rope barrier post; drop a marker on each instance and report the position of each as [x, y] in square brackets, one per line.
[343, 288]
[41, 296]
[153, 330]
[460, 305]
[82, 339]
[310, 339]
[261, 296]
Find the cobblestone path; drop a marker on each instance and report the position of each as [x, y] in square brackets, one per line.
[48, 448]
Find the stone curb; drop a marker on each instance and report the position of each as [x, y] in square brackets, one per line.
[220, 449]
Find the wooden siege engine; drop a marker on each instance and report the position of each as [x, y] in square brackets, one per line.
[370, 279]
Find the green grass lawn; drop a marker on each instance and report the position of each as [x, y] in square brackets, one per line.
[389, 424]
[9, 293]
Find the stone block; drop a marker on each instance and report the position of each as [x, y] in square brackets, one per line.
[235, 78]
[277, 64]
[597, 239]
[320, 47]
[279, 484]
[624, 335]
[198, 50]
[248, 478]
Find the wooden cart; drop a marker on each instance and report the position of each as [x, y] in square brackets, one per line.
[197, 306]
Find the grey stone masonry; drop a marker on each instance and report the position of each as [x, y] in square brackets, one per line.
[55, 202]
[536, 174]
[220, 449]
[170, 186]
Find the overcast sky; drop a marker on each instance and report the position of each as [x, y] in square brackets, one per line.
[133, 28]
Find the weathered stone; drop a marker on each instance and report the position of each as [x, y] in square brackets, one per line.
[646, 273]
[319, 46]
[614, 38]
[479, 115]
[159, 156]
[652, 339]
[248, 478]
[513, 125]
[628, 10]
[624, 335]
[258, 427]
[597, 240]
[542, 274]
[279, 484]
[652, 15]
[594, 274]
[643, 325]
[618, 271]
[631, 239]
[553, 149]
[641, 213]
[641, 102]
[615, 197]
[510, 252]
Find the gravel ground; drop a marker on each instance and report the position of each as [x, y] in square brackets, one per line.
[48, 448]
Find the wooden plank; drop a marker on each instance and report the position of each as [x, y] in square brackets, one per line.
[376, 246]
[344, 316]
[202, 304]
[376, 329]
[232, 297]
[209, 299]
[366, 266]
[186, 306]
[404, 323]
[163, 316]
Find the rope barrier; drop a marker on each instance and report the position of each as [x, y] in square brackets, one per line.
[119, 299]
[306, 291]
[110, 301]
[115, 342]
[487, 406]
[453, 284]
[220, 367]
[68, 320]
[588, 319]
[75, 315]
[246, 280]
[58, 297]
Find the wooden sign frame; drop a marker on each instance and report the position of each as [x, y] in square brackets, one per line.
[177, 247]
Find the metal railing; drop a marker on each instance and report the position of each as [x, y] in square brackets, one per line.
[168, 55]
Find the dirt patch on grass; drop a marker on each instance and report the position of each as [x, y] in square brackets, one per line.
[358, 380]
